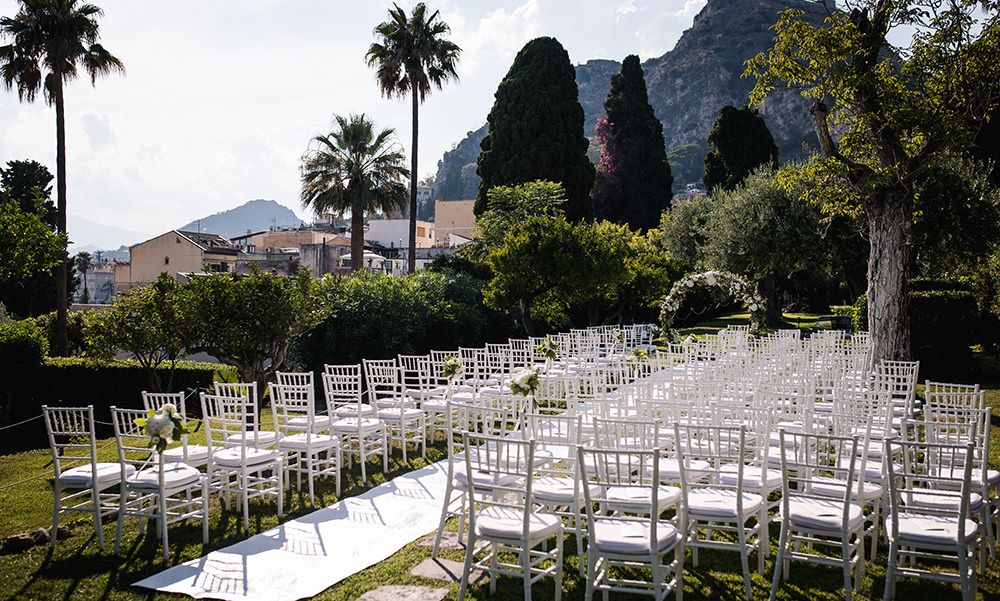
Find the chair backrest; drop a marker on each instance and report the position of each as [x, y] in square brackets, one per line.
[500, 471]
[342, 386]
[626, 434]
[967, 399]
[226, 422]
[634, 472]
[561, 429]
[72, 437]
[718, 446]
[383, 379]
[294, 378]
[156, 400]
[928, 483]
[810, 459]
[293, 402]
[248, 392]
[132, 441]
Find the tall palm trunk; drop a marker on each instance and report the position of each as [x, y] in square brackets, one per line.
[61, 268]
[357, 236]
[890, 232]
[411, 258]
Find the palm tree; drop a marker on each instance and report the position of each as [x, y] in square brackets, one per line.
[84, 262]
[354, 169]
[410, 56]
[50, 41]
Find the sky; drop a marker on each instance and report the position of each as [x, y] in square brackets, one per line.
[220, 98]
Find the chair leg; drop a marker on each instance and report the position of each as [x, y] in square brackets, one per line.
[845, 549]
[890, 573]
[161, 500]
[526, 569]
[57, 494]
[444, 518]
[763, 537]
[245, 498]
[465, 571]
[95, 497]
[963, 574]
[204, 511]
[591, 571]
[118, 525]
[779, 560]
[744, 559]
[559, 566]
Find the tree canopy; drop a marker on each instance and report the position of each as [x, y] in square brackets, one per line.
[634, 181]
[739, 142]
[893, 112]
[536, 129]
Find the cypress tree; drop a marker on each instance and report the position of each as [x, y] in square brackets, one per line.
[634, 178]
[536, 129]
[739, 142]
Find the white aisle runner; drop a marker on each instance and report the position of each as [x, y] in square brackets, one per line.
[305, 556]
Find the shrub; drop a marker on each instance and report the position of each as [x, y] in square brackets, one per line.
[78, 324]
[77, 381]
[847, 311]
[943, 325]
[22, 344]
[379, 316]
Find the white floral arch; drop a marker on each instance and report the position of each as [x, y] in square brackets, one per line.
[741, 290]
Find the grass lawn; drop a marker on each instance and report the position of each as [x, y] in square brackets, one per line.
[76, 569]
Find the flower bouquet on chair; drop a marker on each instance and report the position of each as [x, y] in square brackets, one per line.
[525, 382]
[549, 350]
[451, 370]
[162, 426]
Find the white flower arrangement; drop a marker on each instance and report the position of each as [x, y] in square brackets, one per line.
[162, 426]
[452, 369]
[548, 349]
[525, 382]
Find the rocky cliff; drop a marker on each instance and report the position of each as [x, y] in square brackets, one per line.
[687, 85]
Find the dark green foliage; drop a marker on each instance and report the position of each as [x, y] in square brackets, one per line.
[943, 327]
[634, 174]
[376, 316]
[75, 382]
[944, 323]
[77, 326]
[739, 142]
[536, 129]
[22, 344]
[29, 183]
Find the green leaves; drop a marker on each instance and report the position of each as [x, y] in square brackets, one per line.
[27, 244]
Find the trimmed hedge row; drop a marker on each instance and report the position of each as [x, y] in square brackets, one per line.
[75, 381]
[944, 324]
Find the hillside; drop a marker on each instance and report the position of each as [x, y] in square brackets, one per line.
[254, 216]
[687, 85]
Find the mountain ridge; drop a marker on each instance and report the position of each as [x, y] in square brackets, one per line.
[252, 216]
[687, 85]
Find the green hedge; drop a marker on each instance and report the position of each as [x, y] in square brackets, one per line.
[74, 381]
[23, 345]
[944, 324]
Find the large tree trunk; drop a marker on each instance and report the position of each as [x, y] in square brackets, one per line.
[890, 232]
[62, 272]
[529, 324]
[768, 289]
[411, 258]
[357, 236]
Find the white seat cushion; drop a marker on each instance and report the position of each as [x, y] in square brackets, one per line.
[175, 475]
[365, 409]
[753, 476]
[508, 523]
[435, 405]
[299, 442]
[352, 425]
[107, 473]
[320, 422]
[632, 537]
[395, 402]
[915, 529]
[696, 470]
[820, 514]
[397, 414]
[941, 499]
[834, 488]
[482, 479]
[196, 454]
[231, 457]
[264, 438]
[555, 490]
[710, 503]
[631, 499]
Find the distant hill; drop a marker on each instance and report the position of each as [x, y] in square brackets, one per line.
[254, 216]
[687, 86]
[88, 235]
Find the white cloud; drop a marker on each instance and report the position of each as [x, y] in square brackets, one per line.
[626, 8]
[99, 131]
